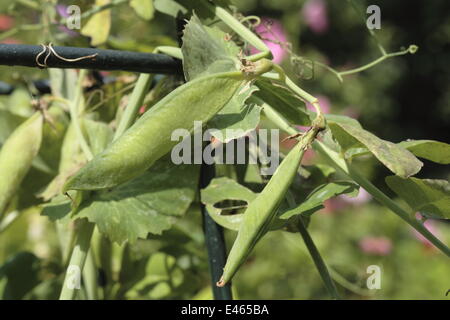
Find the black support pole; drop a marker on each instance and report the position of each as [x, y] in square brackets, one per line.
[108, 60]
[215, 242]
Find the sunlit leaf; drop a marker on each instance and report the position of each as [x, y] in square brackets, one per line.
[99, 25]
[149, 203]
[428, 196]
[206, 50]
[143, 8]
[316, 198]
[397, 159]
[435, 151]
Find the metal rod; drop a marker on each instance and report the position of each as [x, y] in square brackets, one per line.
[26, 55]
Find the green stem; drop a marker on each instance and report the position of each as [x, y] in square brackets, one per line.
[90, 277]
[411, 49]
[136, 100]
[315, 254]
[241, 30]
[318, 261]
[77, 260]
[75, 114]
[341, 165]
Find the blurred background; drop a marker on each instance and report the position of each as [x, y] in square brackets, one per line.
[403, 97]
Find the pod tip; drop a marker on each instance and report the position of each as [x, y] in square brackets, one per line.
[221, 282]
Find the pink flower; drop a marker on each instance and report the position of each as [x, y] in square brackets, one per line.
[431, 226]
[6, 22]
[379, 246]
[274, 36]
[315, 14]
[362, 197]
[62, 10]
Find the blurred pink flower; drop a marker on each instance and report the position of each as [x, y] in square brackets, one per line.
[362, 197]
[315, 14]
[273, 35]
[379, 246]
[431, 226]
[6, 22]
[62, 10]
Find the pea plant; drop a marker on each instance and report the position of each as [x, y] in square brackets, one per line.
[116, 196]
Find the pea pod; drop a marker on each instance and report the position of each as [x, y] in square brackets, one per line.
[16, 157]
[262, 210]
[150, 137]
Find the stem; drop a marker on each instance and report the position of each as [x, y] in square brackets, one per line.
[137, 97]
[74, 115]
[315, 254]
[241, 30]
[90, 277]
[341, 165]
[377, 61]
[77, 260]
[352, 173]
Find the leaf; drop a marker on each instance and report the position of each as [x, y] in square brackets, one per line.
[237, 118]
[143, 8]
[99, 25]
[220, 189]
[149, 203]
[397, 159]
[428, 196]
[170, 7]
[205, 51]
[316, 198]
[284, 101]
[435, 151]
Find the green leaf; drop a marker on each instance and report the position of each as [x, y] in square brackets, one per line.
[143, 8]
[170, 7]
[284, 101]
[429, 197]
[316, 198]
[397, 159]
[220, 189]
[149, 203]
[205, 51]
[99, 25]
[435, 151]
[237, 118]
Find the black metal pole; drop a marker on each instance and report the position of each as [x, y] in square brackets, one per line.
[215, 242]
[26, 55]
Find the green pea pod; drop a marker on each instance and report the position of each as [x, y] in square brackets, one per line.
[150, 137]
[16, 157]
[262, 210]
